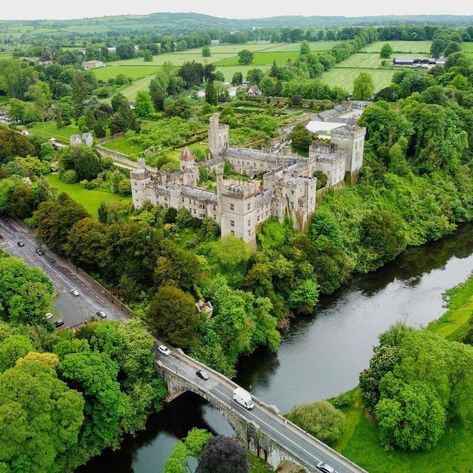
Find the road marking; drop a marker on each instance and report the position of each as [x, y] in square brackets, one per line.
[271, 427]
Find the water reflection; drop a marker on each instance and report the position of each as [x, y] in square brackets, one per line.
[321, 355]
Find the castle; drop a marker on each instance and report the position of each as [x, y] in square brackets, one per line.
[288, 185]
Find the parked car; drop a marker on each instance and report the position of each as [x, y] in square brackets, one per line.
[101, 314]
[325, 468]
[164, 350]
[74, 292]
[20, 243]
[40, 251]
[202, 375]
[58, 323]
[48, 315]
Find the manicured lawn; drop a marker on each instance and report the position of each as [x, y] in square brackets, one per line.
[468, 47]
[124, 145]
[90, 199]
[400, 46]
[50, 130]
[344, 77]
[265, 58]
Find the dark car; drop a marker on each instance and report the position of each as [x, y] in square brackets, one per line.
[40, 251]
[20, 243]
[101, 314]
[58, 323]
[202, 375]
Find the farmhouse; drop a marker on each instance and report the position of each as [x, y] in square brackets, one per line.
[87, 65]
[288, 185]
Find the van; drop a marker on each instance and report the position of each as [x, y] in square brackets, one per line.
[243, 398]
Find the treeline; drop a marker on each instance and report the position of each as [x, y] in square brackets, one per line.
[65, 396]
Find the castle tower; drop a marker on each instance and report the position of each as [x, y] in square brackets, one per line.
[140, 179]
[187, 159]
[350, 141]
[218, 136]
[237, 208]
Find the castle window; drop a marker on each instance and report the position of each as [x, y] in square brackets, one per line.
[248, 206]
[249, 222]
[292, 192]
[215, 207]
[232, 223]
[232, 232]
[232, 207]
[183, 200]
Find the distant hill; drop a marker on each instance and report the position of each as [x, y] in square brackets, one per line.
[184, 22]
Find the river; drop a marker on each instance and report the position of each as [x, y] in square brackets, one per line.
[321, 355]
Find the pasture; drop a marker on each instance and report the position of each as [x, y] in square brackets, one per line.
[49, 129]
[134, 72]
[344, 77]
[263, 58]
[413, 47]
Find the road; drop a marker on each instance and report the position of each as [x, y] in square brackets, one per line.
[77, 310]
[73, 310]
[301, 445]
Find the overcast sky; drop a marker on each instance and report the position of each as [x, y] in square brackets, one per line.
[52, 9]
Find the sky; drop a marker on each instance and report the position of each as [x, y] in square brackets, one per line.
[65, 9]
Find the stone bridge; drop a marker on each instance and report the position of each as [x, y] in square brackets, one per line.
[262, 431]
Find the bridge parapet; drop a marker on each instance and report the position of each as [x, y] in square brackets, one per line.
[248, 432]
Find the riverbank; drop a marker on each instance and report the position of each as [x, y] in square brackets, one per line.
[360, 441]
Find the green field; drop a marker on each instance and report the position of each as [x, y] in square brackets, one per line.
[133, 72]
[124, 145]
[140, 84]
[265, 58]
[50, 130]
[413, 47]
[90, 199]
[315, 46]
[340, 77]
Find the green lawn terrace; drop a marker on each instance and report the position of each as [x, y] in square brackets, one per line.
[90, 199]
[47, 130]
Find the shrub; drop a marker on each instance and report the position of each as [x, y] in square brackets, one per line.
[69, 176]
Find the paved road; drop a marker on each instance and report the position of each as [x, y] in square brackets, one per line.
[77, 310]
[302, 446]
[73, 310]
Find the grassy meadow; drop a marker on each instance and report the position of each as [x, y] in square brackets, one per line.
[50, 130]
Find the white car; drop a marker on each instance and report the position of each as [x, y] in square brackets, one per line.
[48, 315]
[74, 292]
[101, 313]
[325, 468]
[164, 350]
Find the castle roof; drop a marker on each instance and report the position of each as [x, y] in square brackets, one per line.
[187, 155]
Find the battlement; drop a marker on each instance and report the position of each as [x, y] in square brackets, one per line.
[240, 189]
[349, 131]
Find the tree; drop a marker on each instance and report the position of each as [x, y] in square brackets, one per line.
[54, 221]
[363, 86]
[254, 76]
[301, 138]
[245, 57]
[386, 51]
[223, 455]
[305, 48]
[178, 108]
[211, 94]
[13, 144]
[26, 294]
[237, 78]
[12, 348]
[320, 419]
[41, 96]
[410, 416]
[206, 51]
[144, 104]
[147, 56]
[268, 85]
[82, 160]
[40, 417]
[174, 316]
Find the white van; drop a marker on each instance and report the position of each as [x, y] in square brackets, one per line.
[243, 398]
